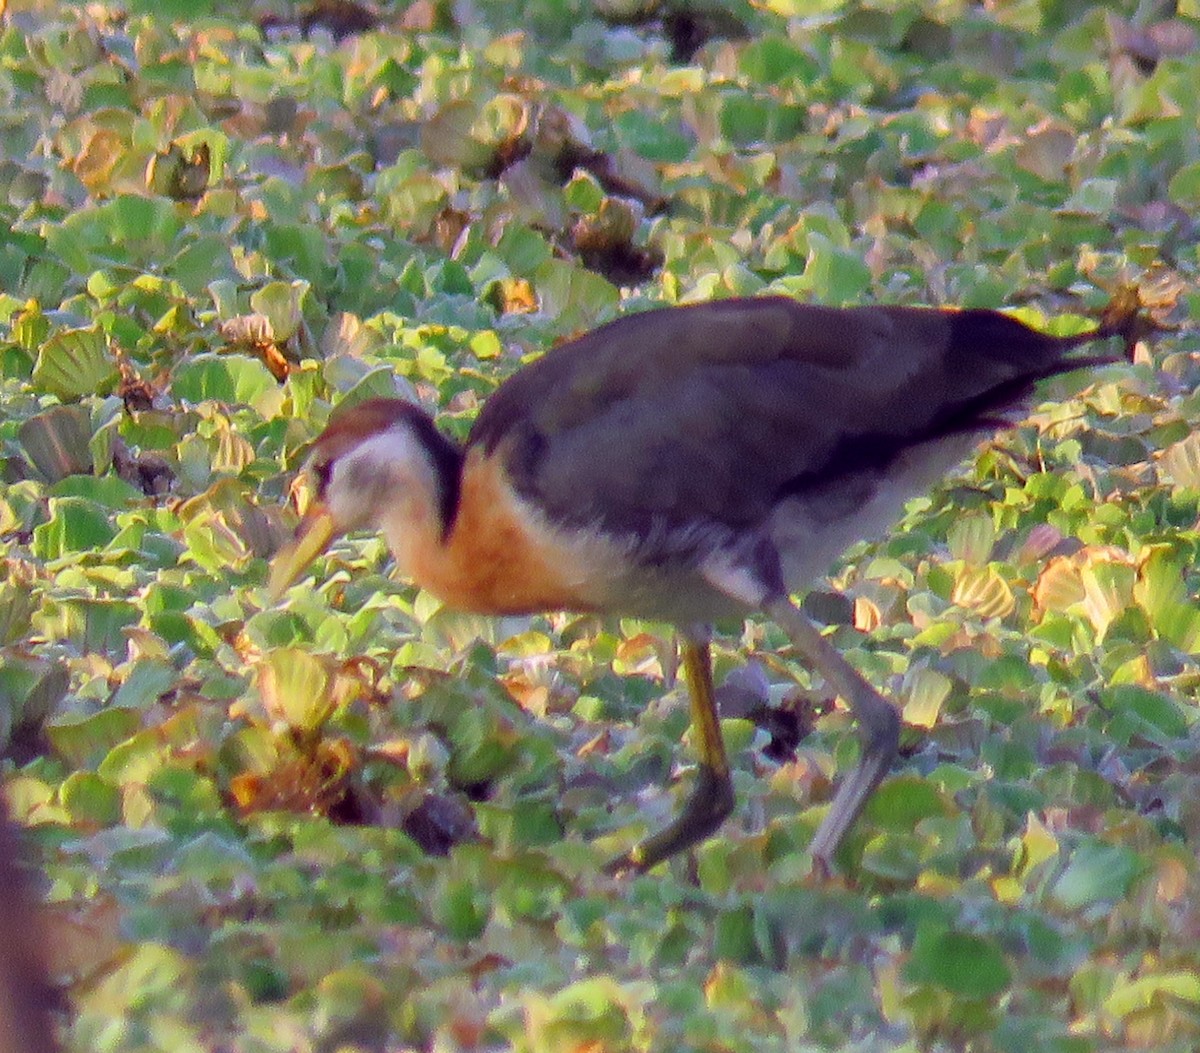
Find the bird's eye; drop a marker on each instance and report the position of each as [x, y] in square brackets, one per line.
[321, 472]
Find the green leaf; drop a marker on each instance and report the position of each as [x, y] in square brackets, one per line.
[141, 220]
[76, 362]
[652, 136]
[57, 442]
[1184, 187]
[83, 739]
[129, 229]
[449, 137]
[30, 328]
[94, 625]
[17, 604]
[76, 525]
[1157, 710]
[30, 688]
[835, 275]
[90, 799]
[902, 802]
[15, 364]
[110, 491]
[773, 59]
[1097, 873]
[1094, 197]
[211, 858]
[303, 246]
[151, 971]
[965, 965]
[280, 302]
[1108, 588]
[148, 681]
[1132, 996]
[583, 192]
[734, 937]
[983, 591]
[804, 8]
[173, 9]
[1161, 592]
[523, 249]
[231, 379]
[196, 263]
[572, 295]
[894, 857]
[462, 910]
[589, 1012]
[971, 538]
[486, 344]
[481, 750]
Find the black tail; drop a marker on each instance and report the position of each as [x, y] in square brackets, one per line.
[1035, 354]
[1039, 355]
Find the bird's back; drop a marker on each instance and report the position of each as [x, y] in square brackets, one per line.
[711, 415]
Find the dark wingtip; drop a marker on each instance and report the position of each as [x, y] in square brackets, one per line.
[994, 334]
[983, 331]
[1124, 317]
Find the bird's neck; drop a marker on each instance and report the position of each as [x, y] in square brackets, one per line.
[445, 461]
[421, 474]
[499, 556]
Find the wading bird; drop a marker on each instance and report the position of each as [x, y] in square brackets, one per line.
[687, 464]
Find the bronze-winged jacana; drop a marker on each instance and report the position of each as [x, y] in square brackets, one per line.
[688, 464]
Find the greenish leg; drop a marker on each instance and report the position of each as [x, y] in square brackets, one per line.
[878, 728]
[711, 799]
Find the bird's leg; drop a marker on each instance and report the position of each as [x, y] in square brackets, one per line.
[878, 727]
[711, 799]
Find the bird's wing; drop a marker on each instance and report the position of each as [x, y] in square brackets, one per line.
[709, 414]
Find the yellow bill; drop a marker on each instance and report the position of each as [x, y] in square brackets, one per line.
[313, 535]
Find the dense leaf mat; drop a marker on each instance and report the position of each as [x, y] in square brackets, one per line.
[357, 821]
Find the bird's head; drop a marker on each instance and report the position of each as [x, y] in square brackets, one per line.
[381, 464]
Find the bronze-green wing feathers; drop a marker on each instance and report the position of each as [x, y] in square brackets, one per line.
[713, 413]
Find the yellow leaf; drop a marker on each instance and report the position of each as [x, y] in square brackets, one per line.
[982, 591]
[1107, 585]
[1038, 844]
[926, 691]
[1180, 463]
[1059, 585]
[866, 615]
[295, 688]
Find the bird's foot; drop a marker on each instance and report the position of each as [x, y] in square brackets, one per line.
[706, 809]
